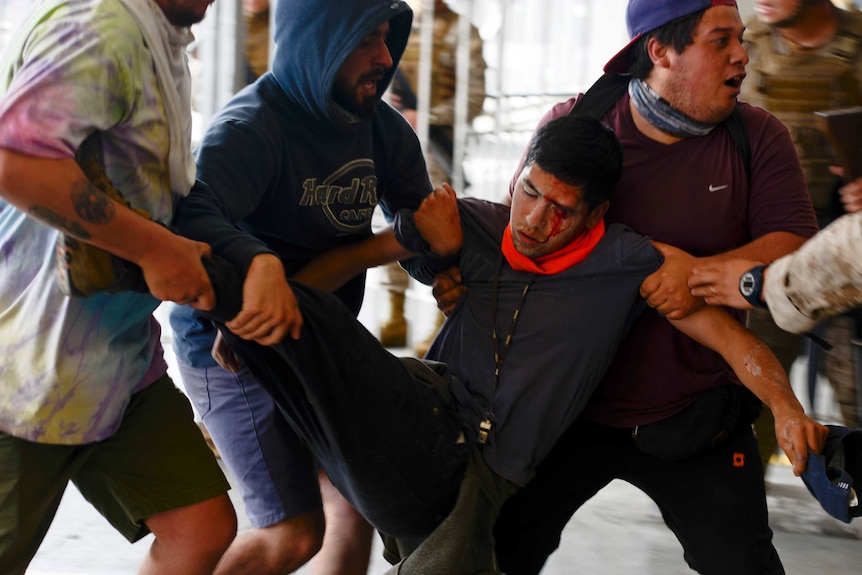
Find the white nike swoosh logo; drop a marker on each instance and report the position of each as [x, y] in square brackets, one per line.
[718, 188]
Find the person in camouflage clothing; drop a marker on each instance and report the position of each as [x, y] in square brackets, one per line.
[804, 56]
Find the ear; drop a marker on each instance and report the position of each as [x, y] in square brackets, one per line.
[658, 53]
[597, 214]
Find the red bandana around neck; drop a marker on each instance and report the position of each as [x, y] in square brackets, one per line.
[555, 262]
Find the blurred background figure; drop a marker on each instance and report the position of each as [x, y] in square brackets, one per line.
[804, 57]
[440, 143]
[256, 18]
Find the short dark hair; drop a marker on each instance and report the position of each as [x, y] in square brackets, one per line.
[677, 33]
[579, 151]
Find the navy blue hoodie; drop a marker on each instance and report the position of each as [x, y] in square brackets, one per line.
[284, 169]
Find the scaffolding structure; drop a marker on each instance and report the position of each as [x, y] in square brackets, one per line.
[537, 51]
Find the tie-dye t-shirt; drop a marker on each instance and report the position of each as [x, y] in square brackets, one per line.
[68, 366]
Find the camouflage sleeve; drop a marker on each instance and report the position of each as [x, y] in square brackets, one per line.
[821, 279]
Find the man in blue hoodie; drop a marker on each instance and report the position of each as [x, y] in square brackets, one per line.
[296, 163]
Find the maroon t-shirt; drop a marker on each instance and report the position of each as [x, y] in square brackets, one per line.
[694, 194]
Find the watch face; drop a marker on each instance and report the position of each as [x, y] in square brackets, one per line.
[746, 284]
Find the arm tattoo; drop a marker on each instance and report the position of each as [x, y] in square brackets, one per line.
[91, 204]
[55, 220]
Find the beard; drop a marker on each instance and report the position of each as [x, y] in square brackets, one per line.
[347, 96]
[183, 18]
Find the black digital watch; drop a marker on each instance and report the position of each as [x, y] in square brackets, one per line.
[751, 285]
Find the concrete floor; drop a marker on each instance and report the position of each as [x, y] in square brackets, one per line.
[618, 532]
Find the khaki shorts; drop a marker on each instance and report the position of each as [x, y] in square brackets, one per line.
[157, 461]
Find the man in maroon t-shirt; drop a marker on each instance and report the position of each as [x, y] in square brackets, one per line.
[684, 183]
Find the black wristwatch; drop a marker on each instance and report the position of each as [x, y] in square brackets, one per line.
[751, 284]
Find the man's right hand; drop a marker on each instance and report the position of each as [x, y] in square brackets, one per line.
[173, 270]
[851, 196]
[850, 193]
[269, 308]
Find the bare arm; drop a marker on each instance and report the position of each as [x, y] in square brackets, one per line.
[765, 248]
[437, 220]
[667, 289]
[336, 267]
[57, 193]
[759, 370]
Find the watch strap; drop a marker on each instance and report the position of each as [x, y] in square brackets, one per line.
[751, 286]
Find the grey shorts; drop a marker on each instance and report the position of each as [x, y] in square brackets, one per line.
[275, 473]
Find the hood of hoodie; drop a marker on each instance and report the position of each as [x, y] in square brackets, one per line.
[313, 38]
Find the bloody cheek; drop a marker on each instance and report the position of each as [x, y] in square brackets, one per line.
[556, 223]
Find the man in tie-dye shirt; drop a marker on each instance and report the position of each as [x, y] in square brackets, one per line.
[84, 394]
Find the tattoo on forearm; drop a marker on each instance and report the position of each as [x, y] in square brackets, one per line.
[54, 219]
[91, 204]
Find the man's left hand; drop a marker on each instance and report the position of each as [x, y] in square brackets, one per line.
[796, 434]
[717, 281]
